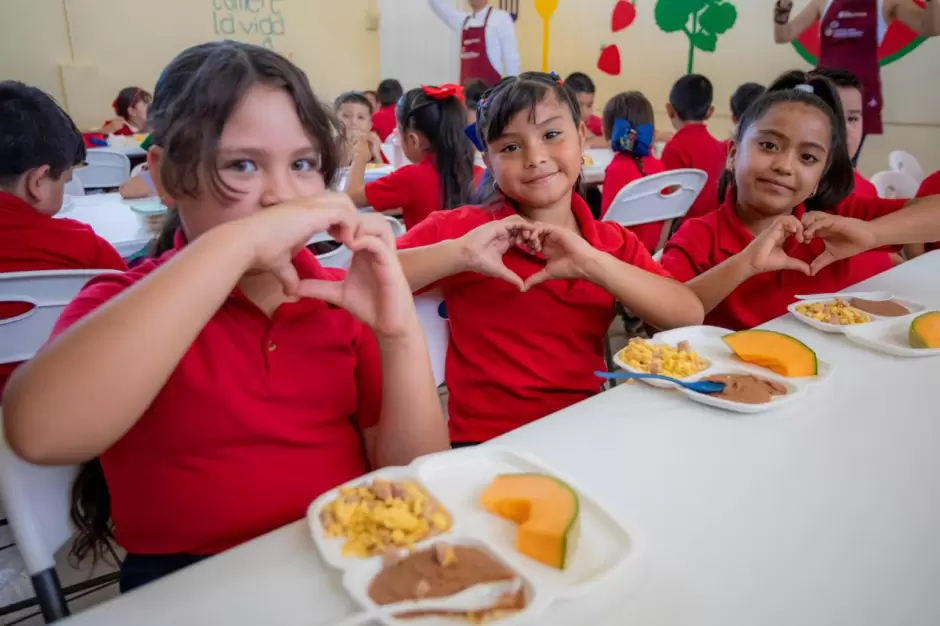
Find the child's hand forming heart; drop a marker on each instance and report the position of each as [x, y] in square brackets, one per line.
[567, 253]
[844, 237]
[483, 248]
[766, 253]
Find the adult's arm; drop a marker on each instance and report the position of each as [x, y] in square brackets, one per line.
[923, 21]
[444, 9]
[508, 45]
[793, 28]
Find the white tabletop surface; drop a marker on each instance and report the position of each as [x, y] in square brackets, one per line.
[824, 512]
[112, 219]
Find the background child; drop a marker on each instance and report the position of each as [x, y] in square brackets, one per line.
[743, 97]
[629, 121]
[268, 387]
[585, 92]
[130, 105]
[373, 98]
[39, 147]
[850, 95]
[528, 326]
[930, 187]
[747, 260]
[474, 91]
[431, 122]
[355, 114]
[689, 107]
[383, 120]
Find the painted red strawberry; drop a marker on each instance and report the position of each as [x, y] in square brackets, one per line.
[623, 15]
[899, 41]
[609, 61]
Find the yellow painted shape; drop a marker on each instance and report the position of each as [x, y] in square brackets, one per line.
[546, 9]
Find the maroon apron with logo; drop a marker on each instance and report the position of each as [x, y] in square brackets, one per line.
[474, 62]
[849, 41]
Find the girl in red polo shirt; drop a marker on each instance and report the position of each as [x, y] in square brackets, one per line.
[131, 108]
[747, 260]
[431, 121]
[630, 123]
[531, 280]
[229, 381]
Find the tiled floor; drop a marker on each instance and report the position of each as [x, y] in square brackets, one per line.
[15, 584]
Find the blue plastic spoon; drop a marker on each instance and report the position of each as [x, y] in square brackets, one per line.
[702, 386]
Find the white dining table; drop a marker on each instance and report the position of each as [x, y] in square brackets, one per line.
[110, 216]
[821, 512]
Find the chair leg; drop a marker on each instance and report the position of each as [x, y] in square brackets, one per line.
[50, 596]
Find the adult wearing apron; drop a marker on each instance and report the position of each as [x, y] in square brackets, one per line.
[488, 47]
[852, 31]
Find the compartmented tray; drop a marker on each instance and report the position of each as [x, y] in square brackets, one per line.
[890, 336]
[910, 305]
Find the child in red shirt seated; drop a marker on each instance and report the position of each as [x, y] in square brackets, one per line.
[743, 97]
[355, 114]
[689, 107]
[747, 260]
[131, 108]
[39, 147]
[629, 121]
[431, 122]
[585, 91]
[383, 120]
[531, 279]
[228, 382]
[851, 97]
[474, 91]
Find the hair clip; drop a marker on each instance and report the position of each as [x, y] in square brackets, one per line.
[474, 137]
[555, 77]
[443, 92]
[806, 87]
[636, 141]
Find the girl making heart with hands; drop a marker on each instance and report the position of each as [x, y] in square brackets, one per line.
[531, 280]
[229, 381]
[788, 158]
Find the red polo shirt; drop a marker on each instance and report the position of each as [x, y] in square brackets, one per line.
[705, 242]
[384, 122]
[596, 125]
[930, 187]
[32, 242]
[622, 171]
[863, 187]
[260, 417]
[694, 147]
[516, 357]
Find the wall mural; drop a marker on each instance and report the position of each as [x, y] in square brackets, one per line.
[702, 21]
[899, 41]
[623, 16]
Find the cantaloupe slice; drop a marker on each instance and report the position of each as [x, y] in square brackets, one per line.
[925, 331]
[777, 352]
[546, 510]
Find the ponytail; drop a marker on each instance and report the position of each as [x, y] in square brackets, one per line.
[91, 514]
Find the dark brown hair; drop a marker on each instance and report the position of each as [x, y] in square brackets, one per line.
[633, 107]
[813, 90]
[128, 97]
[443, 122]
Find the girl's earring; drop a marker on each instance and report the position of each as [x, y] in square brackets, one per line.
[496, 187]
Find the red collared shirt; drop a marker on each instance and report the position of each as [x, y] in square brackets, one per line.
[705, 242]
[516, 357]
[694, 147]
[384, 122]
[596, 125]
[863, 187]
[260, 416]
[930, 187]
[32, 242]
[622, 171]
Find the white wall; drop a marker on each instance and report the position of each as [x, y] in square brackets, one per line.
[414, 46]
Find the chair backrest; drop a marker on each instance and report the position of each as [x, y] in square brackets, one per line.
[341, 257]
[895, 185]
[75, 187]
[36, 501]
[658, 197]
[436, 331]
[105, 168]
[906, 163]
[140, 167]
[48, 292]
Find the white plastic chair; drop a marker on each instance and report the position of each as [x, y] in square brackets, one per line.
[74, 187]
[906, 163]
[644, 201]
[895, 185]
[341, 257]
[436, 331]
[140, 167]
[36, 499]
[105, 168]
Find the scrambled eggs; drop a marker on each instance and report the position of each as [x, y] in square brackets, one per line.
[381, 516]
[838, 312]
[678, 362]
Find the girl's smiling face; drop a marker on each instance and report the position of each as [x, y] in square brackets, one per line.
[536, 160]
[781, 158]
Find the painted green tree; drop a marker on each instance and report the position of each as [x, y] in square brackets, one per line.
[702, 21]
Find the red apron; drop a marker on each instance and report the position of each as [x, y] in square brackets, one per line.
[849, 41]
[474, 62]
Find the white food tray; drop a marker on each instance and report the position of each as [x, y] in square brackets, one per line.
[456, 479]
[913, 307]
[707, 342]
[890, 336]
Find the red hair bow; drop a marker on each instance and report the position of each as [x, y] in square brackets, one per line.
[443, 92]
